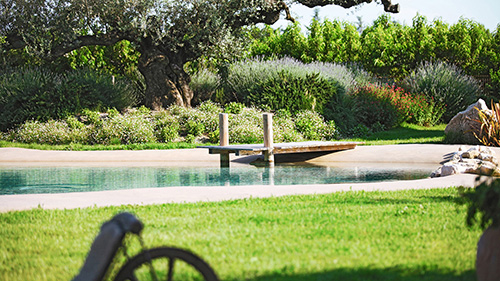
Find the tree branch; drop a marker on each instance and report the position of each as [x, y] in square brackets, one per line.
[388, 7]
[87, 40]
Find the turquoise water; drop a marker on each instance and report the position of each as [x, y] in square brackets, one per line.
[24, 180]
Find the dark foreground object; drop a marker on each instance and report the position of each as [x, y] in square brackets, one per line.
[163, 263]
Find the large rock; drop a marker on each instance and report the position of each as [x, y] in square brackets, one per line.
[462, 127]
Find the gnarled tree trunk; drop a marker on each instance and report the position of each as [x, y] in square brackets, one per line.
[166, 81]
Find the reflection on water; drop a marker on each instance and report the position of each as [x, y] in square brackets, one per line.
[75, 179]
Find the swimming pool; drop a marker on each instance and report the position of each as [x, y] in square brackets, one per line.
[33, 180]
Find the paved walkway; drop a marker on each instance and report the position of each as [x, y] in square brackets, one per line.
[362, 155]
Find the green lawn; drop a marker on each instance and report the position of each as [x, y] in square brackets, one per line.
[405, 134]
[404, 235]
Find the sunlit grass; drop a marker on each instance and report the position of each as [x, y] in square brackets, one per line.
[403, 235]
[406, 134]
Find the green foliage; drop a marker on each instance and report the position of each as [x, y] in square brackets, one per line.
[123, 129]
[167, 126]
[386, 48]
[494, 86]
[293, 93]
[374, 105]
[91, 117]
[141, 126]
[50, 132]
[445, 85]
[39, 94]
[382, 107]
[483, 203]
[204, 83]
[93, 90]
[30, 94]
[284, 128]
[246, 127]
[234, 107]
[249, 77]
[313, 127]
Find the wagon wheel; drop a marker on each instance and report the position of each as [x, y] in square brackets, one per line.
[167, 264]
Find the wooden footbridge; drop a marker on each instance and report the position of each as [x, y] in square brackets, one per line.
[268, 148]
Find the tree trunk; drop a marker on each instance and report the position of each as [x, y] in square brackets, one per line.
[166, 81]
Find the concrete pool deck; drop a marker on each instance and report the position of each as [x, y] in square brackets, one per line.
[407, 155]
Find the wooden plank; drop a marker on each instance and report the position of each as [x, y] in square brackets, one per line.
[295, 147]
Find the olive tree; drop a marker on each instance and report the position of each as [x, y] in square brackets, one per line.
[167, 33]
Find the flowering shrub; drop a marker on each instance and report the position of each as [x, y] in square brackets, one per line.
[124, 129]
[284, 127]
[390, 106]
[167, 126]
[50, 132]
[142, 126]
[313, 127]
[444, 83]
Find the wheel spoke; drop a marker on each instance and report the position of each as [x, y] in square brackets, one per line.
[152, 271]
[165, 258]
[171, 262]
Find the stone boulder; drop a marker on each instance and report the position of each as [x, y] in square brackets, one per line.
[462, 127]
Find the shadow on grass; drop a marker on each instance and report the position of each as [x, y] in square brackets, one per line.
[364, 274]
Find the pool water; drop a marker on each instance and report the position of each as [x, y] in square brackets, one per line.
[24, 180]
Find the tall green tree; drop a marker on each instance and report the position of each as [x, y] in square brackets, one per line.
[167, 33]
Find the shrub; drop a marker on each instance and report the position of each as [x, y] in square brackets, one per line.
[30, 94]
[389, 106]
[88, 89]
[373, 104]
[494, 86]
[234, 107]
[167, 126]
[343, 112]
[247, 77]
[39, 94]
[204, 83]
[444, 84]
[134, 129]
[209, 116]
[51, 132]
[143, 126]
[313, 127]
[293, 93]
[246, 127]
[91, 117]
[284, 131]
[124, 129]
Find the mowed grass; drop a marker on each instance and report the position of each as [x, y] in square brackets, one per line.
[406, 134]
[403, 235]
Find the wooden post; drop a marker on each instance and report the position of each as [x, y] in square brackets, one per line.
[224, 139]
[268, 138]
